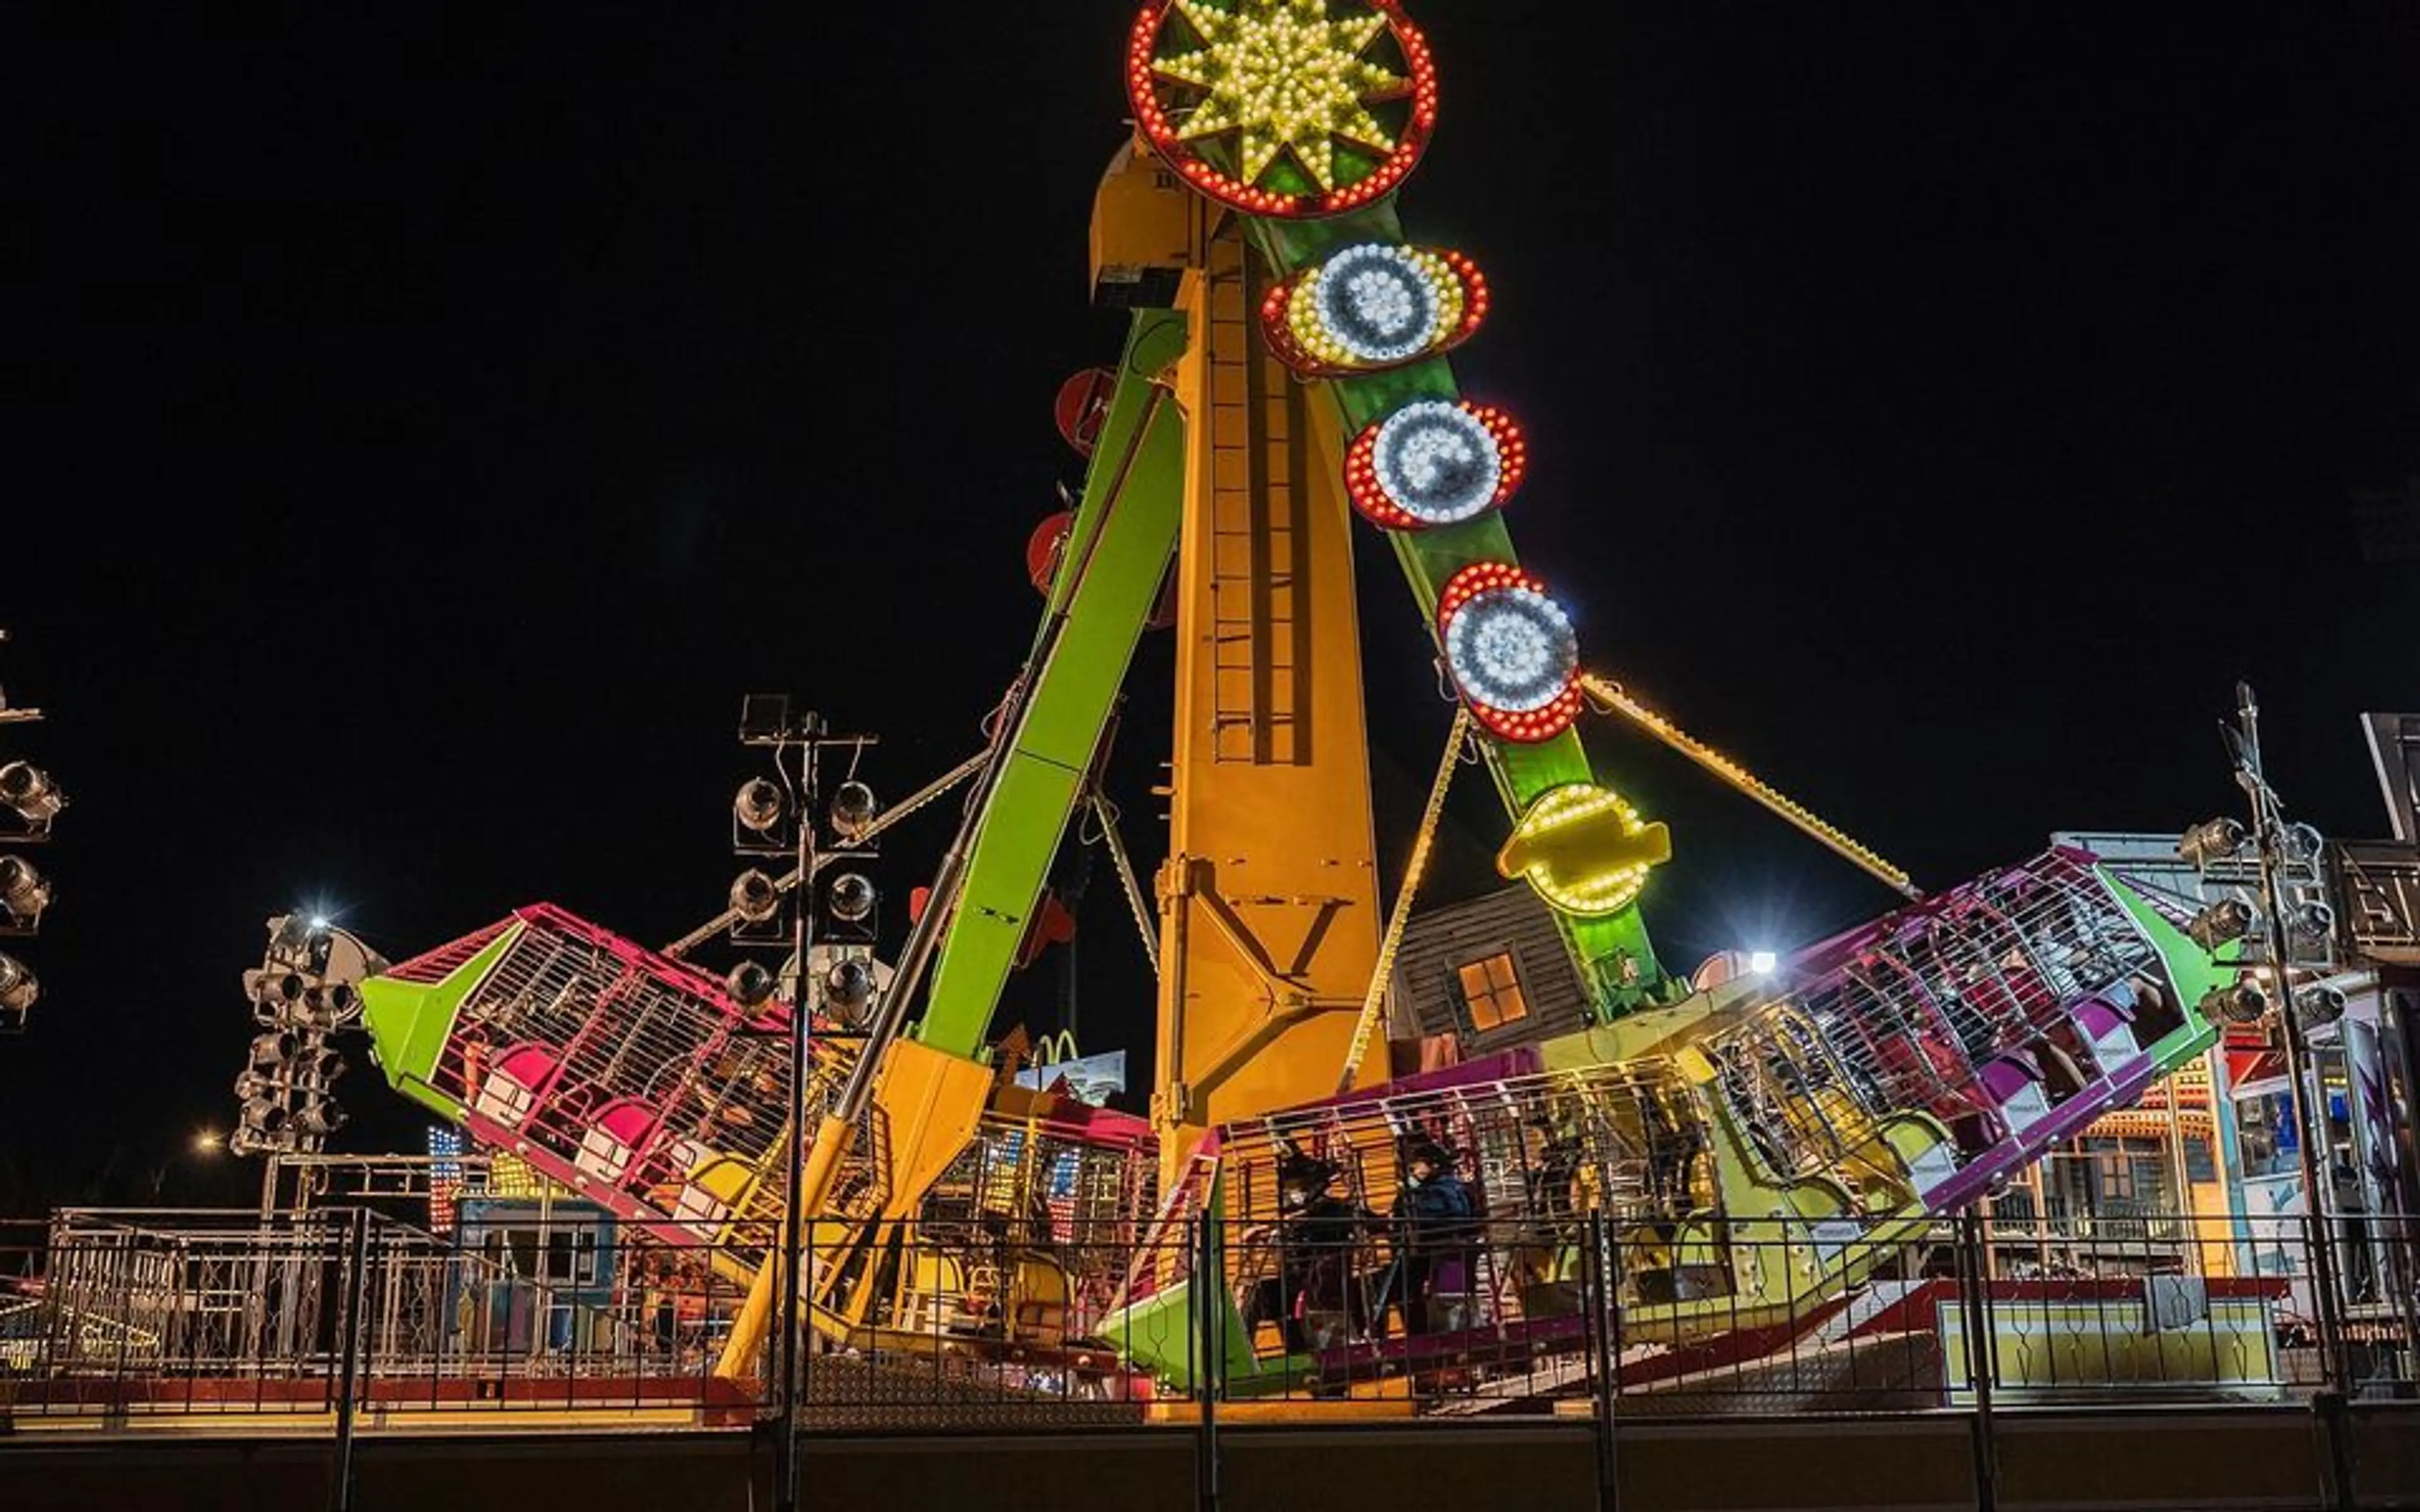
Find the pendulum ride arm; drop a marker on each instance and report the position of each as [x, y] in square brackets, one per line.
[1613, 951]
[927, 1083]
[1102, 597]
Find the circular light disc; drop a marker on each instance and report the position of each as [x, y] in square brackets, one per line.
[1512, 649]
[1437, 462]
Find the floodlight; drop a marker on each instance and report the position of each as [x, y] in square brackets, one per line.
[749, 983]
[24, 892]
[848, 986]
[759, 804]
[274, 988]
[19, 988]
[1762, 963]
[2319, 1004]
[2243, 1003]
[2213, 840]
[851, 898]
[2301, 842]
[852, 810]
[2312, 922]
[754, 896]
[331, 1003]
[29, 790]
[272, 1051]
[2229, 919]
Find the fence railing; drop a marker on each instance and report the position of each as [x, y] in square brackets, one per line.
[112, 1318]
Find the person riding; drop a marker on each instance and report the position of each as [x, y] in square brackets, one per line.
[1316, 1236]
[1437, 1232]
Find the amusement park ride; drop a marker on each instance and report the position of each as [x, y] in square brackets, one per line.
[1754, 1142]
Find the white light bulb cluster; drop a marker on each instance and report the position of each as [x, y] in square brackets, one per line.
[1375, 304]
[1436, 462]
[1512, 649]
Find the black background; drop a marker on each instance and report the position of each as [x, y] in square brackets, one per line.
[428, 422]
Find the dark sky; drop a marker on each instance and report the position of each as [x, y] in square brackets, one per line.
[428, 422]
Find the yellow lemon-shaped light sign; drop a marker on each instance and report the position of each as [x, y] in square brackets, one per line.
[1584, 849]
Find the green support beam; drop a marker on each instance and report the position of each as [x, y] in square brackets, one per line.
[1109, 583]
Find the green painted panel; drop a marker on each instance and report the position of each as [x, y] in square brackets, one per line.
[1124, 537]
[408, 1021]
[2192, 969]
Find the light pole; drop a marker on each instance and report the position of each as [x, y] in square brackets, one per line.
[2268, 837]
[764, 816]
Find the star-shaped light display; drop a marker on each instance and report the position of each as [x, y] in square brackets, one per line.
[1283, 77]
[1282, 91]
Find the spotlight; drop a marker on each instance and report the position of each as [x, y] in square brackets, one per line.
[852, 810]
[331, 1004]
[318, 1118]
[264, 1115]
[2213, 840]
[28, 790]
[2302, 843]
[2319, 1004]
[274, 990]
[273, 1051]
[318, 1065]
[754, 896]
[2229, 919]
[848, 986]
[749, 983]
[759, 804]
[851, 898]
[2312, 922]
[2243, 1003]
[24, 892]
[1762, 963]
[19, 989]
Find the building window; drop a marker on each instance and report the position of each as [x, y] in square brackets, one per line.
[1492, 993]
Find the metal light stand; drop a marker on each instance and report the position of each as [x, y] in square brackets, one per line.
[810, 735]
[2269, 833]
[26, 815]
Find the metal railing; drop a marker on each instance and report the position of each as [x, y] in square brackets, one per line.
[112, 1318]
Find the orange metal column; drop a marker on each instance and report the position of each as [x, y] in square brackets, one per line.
[1269, 915]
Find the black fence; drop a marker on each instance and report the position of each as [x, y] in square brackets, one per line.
[110, 1320]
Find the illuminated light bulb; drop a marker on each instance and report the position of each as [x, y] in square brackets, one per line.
[1285, 81]
[1374, 305]
[1511, 649]
[1435, 463]
[1584, 849]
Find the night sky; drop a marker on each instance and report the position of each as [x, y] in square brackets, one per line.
[428, 422]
